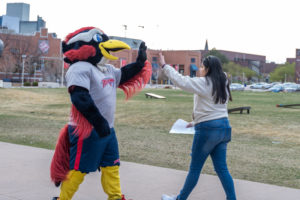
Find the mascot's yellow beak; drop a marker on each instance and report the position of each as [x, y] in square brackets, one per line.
[112, 45]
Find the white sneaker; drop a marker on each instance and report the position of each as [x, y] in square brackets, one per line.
[166, 197]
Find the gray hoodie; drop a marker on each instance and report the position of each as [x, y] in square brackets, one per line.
[205, 108]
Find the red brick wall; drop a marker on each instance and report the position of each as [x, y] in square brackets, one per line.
[26, 45]
[243, 59]
[268, 67]
[54, 43]
[122, 55]
[182, 58]
[231, 55]
[291, 60]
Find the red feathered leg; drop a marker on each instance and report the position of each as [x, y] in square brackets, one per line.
[60, 162]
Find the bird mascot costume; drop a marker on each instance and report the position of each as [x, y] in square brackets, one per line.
[88, 142]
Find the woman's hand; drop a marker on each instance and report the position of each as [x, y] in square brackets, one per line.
[161, 59]
[189, 125]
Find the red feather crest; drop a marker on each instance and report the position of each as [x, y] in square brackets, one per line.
[69, 36]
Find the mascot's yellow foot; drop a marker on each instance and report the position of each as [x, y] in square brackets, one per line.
[123, 198]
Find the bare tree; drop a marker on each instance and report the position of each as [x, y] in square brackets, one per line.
[15, 46]
[6, 60]
[52, 71]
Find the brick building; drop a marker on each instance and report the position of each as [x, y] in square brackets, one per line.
[40, 53]
[43, 52]
[296, 60]
[252, 61]
[268, 67]
[290, 60]
[186, 62]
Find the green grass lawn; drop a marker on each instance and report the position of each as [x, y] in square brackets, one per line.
[265, 144]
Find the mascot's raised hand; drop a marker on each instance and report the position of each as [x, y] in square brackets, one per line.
[142, 54]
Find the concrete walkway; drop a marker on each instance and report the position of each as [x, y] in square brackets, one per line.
[24, 175]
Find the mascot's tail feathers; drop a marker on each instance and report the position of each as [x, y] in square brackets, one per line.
[60, 162]
[138, 82]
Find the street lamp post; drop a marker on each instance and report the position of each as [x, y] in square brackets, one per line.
[62, 74]
[141, 32]
[62, 67]
[125, 29]
[34, 64]
[23, 63]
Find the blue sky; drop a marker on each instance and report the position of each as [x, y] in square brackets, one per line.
[264, 27]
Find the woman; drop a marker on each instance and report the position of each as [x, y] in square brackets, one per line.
[210, 118]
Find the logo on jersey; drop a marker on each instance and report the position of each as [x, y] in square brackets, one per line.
[108, 81]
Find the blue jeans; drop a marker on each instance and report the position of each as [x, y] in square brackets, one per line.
[211, 138]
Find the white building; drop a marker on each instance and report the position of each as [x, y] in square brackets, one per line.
[20, 10]
[17, 21]
[11, 23]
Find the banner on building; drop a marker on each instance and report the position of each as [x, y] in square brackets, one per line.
[44, 46]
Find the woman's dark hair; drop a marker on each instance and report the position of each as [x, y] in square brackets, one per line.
[218, 78]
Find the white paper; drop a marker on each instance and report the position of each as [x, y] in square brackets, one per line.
[179, 127]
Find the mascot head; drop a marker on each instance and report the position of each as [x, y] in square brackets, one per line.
[90, 44]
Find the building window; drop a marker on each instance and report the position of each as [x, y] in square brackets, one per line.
[14, 51]
[193, 70]
[181, 69]
[193, 60]
[154, 59]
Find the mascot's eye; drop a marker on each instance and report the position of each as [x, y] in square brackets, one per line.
[97, 38]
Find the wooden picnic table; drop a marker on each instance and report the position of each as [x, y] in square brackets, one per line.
[240, 109]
